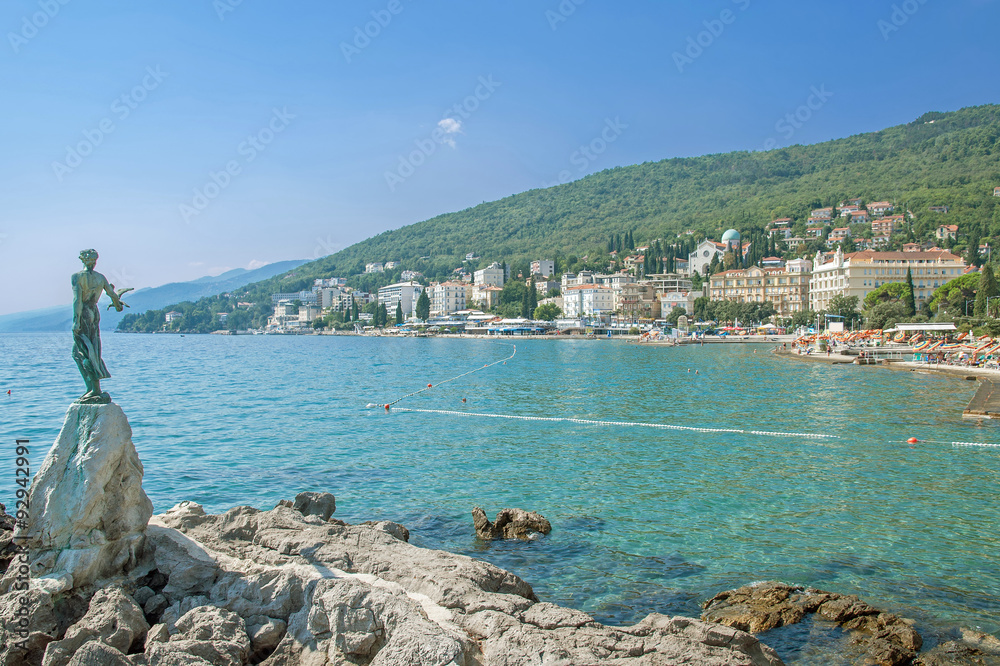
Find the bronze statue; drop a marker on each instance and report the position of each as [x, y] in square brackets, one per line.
[87, 288]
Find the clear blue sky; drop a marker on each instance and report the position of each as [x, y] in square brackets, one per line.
[183, 86]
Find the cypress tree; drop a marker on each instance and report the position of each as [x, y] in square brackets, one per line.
[399, 313]
[908, 296]
[423, 306]
[532, 298]
[347, 313]
[987, 289]
[354, 306]
[972, 257]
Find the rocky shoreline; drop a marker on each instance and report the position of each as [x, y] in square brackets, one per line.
[113, 585]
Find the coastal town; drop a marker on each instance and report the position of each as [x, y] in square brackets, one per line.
[859, 248]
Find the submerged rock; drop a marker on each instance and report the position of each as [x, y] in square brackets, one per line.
[974, 648]
[290, 586]
[883, 637]
[510, 524]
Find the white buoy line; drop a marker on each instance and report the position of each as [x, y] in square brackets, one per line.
[620, 424]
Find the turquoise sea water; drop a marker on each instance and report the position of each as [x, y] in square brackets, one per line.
[644, 520]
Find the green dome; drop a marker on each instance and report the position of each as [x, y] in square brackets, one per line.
[731, 235]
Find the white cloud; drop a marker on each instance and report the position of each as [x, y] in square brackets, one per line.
[255, 264]
[450, 126]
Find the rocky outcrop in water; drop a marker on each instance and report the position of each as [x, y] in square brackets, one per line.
[510, 524]
[973, 648]
[88, 512]
[279, 587]
[295, 586]
[885, 638]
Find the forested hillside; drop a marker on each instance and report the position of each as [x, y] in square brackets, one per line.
[950, 159]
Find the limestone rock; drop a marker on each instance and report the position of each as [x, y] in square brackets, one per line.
[756, 608]
[550, 616]
[155, 605]
[24, 641]
[265, 634]
[329, 593]
[974, 648]
[7, 548]
[158, 633]
[395, 529]
[113, 619]
[88, 509]
[96, 653]
[884, 637]
[510, 524]
[205, 634]
[142, 595]
[315, 504]
[189, 569]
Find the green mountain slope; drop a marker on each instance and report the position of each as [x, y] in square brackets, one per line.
[939, 159]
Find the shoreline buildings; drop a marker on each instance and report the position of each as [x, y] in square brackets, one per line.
[860, 273]
[786, 288]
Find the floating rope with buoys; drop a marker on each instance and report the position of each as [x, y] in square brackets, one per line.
[445, 381]
[620, 424]
[630, 424]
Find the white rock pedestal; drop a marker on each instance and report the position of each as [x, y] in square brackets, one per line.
[88, 512]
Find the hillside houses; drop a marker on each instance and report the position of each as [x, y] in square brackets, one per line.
[947, 231]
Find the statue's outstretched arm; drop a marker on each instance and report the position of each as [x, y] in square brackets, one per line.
[115, 299]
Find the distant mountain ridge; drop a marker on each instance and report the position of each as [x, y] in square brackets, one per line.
[60, 317]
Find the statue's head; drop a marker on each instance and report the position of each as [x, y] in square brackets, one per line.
[89, 258]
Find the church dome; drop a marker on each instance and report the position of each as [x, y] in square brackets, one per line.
[731, 235]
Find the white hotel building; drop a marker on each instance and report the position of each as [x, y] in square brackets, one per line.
[406, 293]
[860, 273]
[448, 297]
[588, 300]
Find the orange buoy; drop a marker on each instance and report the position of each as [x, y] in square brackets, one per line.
[912, 440]
[387, 408]
[428, 386]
